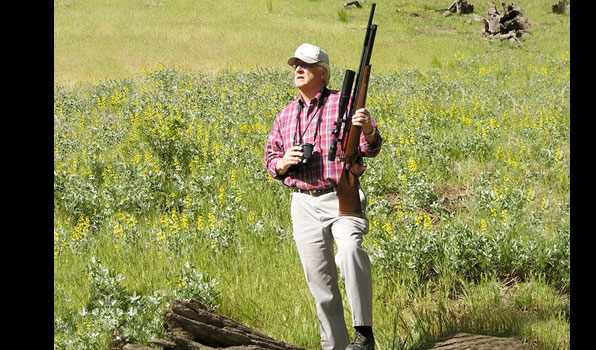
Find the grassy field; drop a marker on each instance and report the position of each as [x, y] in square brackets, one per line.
[161, 112]
[110, 39]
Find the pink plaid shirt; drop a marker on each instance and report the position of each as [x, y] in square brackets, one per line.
[320, 173]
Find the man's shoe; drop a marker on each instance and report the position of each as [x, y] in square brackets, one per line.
[362, 342]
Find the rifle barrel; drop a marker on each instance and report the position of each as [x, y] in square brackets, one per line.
[346, 106]
[364, 58]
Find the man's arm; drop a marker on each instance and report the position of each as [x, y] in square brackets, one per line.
[370, 139]
[278, 161]
[291, 157]
[274, 150]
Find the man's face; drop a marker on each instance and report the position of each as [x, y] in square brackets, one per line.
[308, 76]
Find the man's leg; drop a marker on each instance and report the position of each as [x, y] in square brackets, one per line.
[355, 269]
[354, 266]
[315, 248]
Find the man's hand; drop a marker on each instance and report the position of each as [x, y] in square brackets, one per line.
[291, 157]
[361, 118]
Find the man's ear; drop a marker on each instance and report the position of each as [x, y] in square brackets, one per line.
[325, 74]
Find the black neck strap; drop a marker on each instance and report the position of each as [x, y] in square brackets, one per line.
[320, 105]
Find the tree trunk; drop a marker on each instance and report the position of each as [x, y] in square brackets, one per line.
[493, 21]
[507, 25]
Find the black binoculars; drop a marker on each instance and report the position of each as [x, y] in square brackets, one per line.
[306, 149]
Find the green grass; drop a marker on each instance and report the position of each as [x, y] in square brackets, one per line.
[158, 164]
[109, 39]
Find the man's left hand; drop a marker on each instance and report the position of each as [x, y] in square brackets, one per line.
[361, 118]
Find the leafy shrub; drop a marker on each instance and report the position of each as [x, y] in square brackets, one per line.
[126, 317]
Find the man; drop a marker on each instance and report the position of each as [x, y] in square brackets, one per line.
[309, 119]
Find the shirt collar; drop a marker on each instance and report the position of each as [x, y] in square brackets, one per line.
[314, 100]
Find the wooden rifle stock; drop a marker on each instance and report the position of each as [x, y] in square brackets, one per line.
[349, 184]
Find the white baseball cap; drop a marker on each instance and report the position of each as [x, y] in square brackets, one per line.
[309, 54]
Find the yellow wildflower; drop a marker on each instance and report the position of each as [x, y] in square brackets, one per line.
[387, 229]
[118, 231]
[544, 203]
[211, 220]
[222, 192]
[200, 222]
[161, 238]
[504, 216]
[428, 224]
[412, 165]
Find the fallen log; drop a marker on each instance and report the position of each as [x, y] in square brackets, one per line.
[192, 325]
[459, 6]
[510, 36]
[355, 3]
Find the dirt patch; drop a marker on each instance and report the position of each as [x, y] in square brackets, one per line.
[449, 199]
[391, 197]
[453, 198]
[466, 341]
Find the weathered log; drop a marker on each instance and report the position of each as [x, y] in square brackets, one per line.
[136, 347]
[192, 325]
[163, 343]
[511, 36]
[492, 24]
[459, 6]
[517, 24]
[510, 11]
[507, 25]
[355, 3]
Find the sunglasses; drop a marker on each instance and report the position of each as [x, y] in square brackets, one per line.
[303, 65]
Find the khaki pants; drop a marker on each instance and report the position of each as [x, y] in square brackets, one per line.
[316, 225]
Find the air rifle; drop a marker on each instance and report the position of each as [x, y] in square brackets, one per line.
[348, 186]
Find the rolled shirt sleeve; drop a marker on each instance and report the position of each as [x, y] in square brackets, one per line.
[274, 149]
[370, 150]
